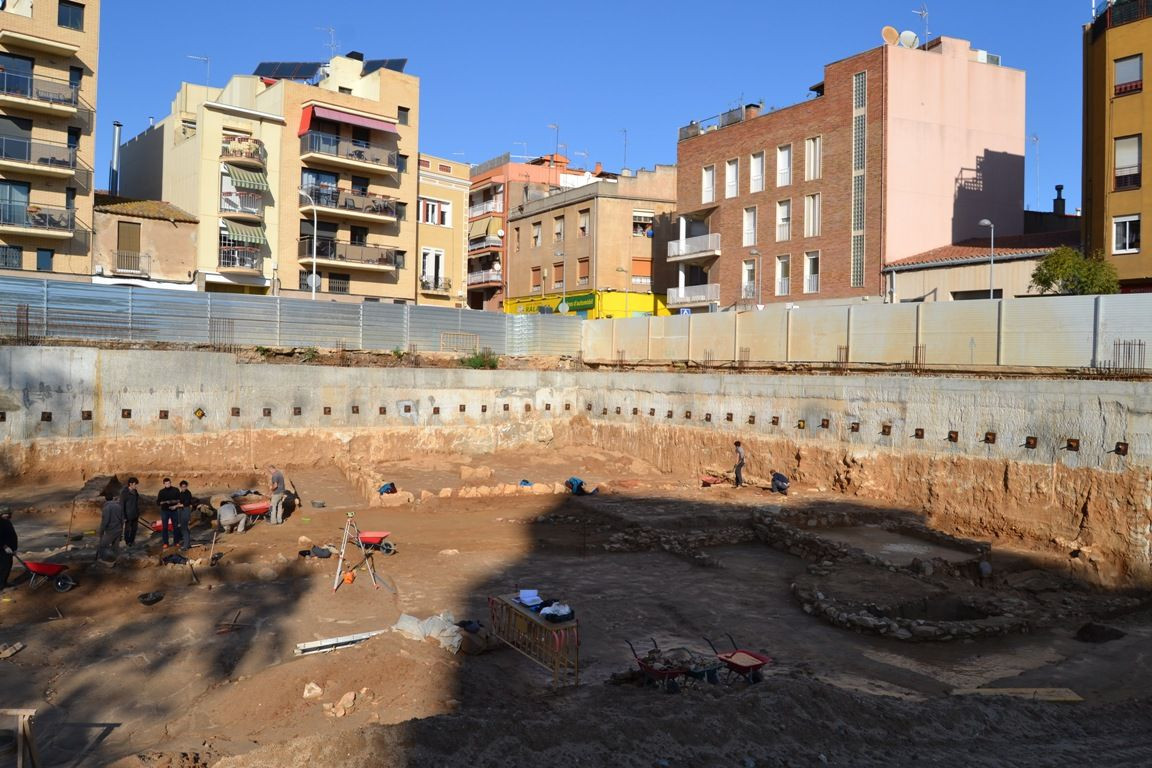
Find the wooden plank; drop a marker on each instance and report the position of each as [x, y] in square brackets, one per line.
[1034, 694]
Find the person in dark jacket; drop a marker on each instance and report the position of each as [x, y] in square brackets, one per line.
[8, 543]
[130, 504]
[111, 526]
[169, 502]
[185, 510]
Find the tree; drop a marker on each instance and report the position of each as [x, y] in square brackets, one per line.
[1067, 272]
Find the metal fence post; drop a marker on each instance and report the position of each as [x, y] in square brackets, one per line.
[131, 293]
[45, 307]
[1000, 332]
[1097, 318]
[361, 325]
[278, 329]
[848, 336]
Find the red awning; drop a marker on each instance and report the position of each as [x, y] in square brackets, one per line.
[305, 121]
[349, 119]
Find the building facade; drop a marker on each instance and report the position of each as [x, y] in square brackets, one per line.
[147, 243]
[897, 151]
[595, 250]
[299, 176]
[1117, 114]
[48, 63]
[441, 231]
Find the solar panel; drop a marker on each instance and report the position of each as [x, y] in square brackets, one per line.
[396, 65]
[288, 70]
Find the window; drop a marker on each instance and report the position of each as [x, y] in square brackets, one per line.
[642, 223]
[783, 275]
[360, 184]
[558, 229]
[361, 137]
[857, 261]
[14, 202]
[812, 159]
[784, 165]
[359, 235]
[582, 272]
[641, 271]
[783, 220]
[516, 239]
[858, 203]
[1126, 234]
[558, 275]
[75, 77]
[812, 215]
[11, 257]
[304, 275]
[582, 223]
[708, 184]
[402, 211]
[44, 259]
[16, 74]
[401, 259]
[402, 163]
[536, 234]
[860, 90]
[128, 242]
[344, 90]
[1130, 74]
[748, 279]
[70, 15]
[438, 212]
[338, 283]
[70, 198]
[1128, 162]
[859, 141]
[977, 295]
[433, 275]
[73, 137]
[756, 173]
[732, 178]
[402, 115]
[535, 278]
[812, 272]
[750, 226]
[15, 138]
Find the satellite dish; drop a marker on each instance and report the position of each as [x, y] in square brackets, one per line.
[890, 35]
[908, 39]
[499, 233]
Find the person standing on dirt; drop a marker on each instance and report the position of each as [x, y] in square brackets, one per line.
[8, 543]
[184, 512]
[276, 486]
[168, 500]
[111, 526]
[738, 470]
[130, 504]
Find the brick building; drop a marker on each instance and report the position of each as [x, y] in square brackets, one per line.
[897, 151]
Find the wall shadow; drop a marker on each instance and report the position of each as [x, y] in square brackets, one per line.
[993, 190]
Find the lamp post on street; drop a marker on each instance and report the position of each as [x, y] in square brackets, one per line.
[759, 277]
[312, 280]
[991, 254]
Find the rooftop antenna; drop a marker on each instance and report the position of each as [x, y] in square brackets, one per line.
[625, 132]
[333, 45]
[524, 144]
[1035, 139]
[923, 14]
[208, 64]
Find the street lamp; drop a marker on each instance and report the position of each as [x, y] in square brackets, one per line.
[759, 277]
[313, 280]
[991, 253]
[627, 287]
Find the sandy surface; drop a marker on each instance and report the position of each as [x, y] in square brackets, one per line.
[120, 683]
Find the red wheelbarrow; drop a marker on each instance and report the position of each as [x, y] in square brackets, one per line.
[659, 671]
[742, 662]
[39, 573]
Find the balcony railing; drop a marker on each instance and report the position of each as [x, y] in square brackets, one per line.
[480, 243]
[349, 149]
[694, 294]
[437, 284]
[241, 257]
[1132, 86]
[243, 149]
[812, 284]
[348, 200]
[693, 245]
[641, 280]
[783, 286]
[132, 263]
[581, 281]
[334, 250]
[1128, 178]
[557, 285]
[37, 217]
[44, 153]
[242, 202]
[1115, 14]
[495, 205]
[485, 276]
[45, 89]
[748, 291]
[11, 258]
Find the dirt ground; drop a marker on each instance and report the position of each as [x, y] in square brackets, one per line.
[119, 683]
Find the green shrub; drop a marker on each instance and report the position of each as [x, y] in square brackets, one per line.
[485, 358]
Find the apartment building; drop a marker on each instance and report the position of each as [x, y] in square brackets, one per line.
[897, 150]
[595, 250]
[1117, 114]
[146, 243]
[298, 174]
[48, 62]
[441, 231]
[499, 186]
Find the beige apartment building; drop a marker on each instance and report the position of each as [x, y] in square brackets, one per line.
[295, 172]
[441, 231]
[595, 250]
[48, 61]
[146, 243]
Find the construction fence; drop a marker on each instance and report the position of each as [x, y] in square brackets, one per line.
[1100, 332]
[33, 310]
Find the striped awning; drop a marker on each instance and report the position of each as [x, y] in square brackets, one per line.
[245, 179]
[243, 233]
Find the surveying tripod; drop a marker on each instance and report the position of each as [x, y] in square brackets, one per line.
[352, 534]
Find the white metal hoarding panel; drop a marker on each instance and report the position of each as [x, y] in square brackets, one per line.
[85, 311]
[959, 332]
[669, 337]
[713, 337]
[327, 324]
[1124, 318]
[763, 334]
[817, 333]
[22, 310]
[882, 333]
[631, 339]
[385, 326]
[1049, 331]
[596, 340]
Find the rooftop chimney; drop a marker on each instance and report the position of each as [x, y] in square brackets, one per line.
[114, 170]
[598, 169]
[751, 111]
[1059, 203]
[355, 55]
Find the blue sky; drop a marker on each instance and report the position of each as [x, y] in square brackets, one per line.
[494, 75]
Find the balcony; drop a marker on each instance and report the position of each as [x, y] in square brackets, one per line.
[241, 259]
[329, 149]
[748, 291]
[812, 284]
[485, 278]
[1128, 178]
[495, 205]
[644, 281]
[132, 263]
[243, 151]
[37, 220]
[783, 286]
[695, 248]
[242, 205]
[45, 95]
[484, 243]
[19, 40]
[1115, 14]
[333, 253]
[348, 204]
[39, 158]
[1132, 86]
[694, 294]
[433, 284]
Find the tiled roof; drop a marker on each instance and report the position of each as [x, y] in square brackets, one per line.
[976, 250]
[141, 209]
